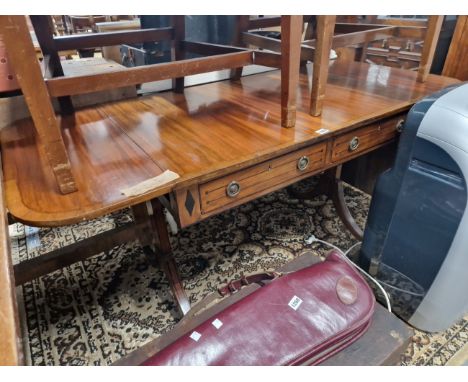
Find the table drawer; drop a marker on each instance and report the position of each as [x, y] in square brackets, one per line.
[364, 138]
[262, 178]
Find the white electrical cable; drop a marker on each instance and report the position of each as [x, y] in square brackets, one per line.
[313, 239]
[402, 290]
[350, 248]
[383, 282]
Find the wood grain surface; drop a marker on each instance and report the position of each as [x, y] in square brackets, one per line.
[456, 62]
[208, 131]
[434, 25]
[10, 340]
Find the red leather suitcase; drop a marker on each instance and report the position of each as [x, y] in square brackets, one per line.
[299, 318]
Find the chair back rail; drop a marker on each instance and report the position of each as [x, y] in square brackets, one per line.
[137, 75]
[94, 40]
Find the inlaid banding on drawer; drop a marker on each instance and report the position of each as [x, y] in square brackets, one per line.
[265, 176]
[364, 138]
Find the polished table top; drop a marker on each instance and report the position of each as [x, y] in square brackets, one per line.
[210, 130]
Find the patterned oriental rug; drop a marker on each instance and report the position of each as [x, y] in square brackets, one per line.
[98, 310]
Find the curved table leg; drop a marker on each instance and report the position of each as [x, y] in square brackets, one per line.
[337, 195]
[166, 259]
[169, 267]
[163, 251]
[167, 264]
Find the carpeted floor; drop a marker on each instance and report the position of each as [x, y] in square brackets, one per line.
[98, 310]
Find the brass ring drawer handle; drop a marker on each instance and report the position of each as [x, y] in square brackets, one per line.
[302, 163]
[233, 189]
[399, 125]
[353, 144]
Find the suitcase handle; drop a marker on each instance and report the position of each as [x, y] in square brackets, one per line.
[235, 285]
[229, 289]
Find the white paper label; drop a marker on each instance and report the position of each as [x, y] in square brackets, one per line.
[322, 131]
[295, 303]
[195, 336]
[217, 323]
[32, 237]
[14, 231]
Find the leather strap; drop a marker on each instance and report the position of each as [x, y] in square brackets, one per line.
[235, 285]
[229, 289]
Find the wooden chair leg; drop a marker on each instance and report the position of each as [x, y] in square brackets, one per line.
[43, 28]
[242, 25]
[361, 53]
[325, 28]
[310, 30]
[453, 65]
[434, 25]
[291, 35]
[178, 22]
[163, 254]
[28, 73]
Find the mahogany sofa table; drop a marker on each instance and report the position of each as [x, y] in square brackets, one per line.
[224, 140]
